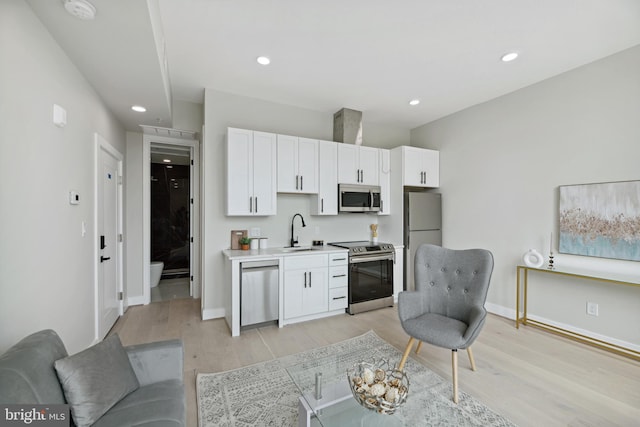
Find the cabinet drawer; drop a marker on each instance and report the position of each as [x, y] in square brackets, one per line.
[337, 298]
[305, 261]
[338, 258]
[338, 276]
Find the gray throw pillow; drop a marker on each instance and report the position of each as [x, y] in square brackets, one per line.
[96, 379]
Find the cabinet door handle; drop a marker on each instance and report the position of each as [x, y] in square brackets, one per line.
[339, 275]
[361, 175]
[342, 297]
[339, 259]
[256, 204]
[309, 279]
[297, 177]
[357, 175]
[322, 205]
[305, 279]
[251, 204]
[301, 183]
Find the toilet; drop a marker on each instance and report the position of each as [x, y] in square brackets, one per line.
[156, 272]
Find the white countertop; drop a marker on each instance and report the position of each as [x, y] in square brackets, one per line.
[255, 254]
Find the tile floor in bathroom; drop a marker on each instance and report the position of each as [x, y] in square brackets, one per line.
[169, 289]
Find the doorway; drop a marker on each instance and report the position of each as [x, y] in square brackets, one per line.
[170, 222]
[170, 214]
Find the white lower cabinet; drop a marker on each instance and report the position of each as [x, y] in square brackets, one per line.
[305, 285]
[338, 281]
[314, 286]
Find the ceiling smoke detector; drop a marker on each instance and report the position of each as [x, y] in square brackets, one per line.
[81, 9]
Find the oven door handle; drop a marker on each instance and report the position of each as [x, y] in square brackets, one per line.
[368, 258]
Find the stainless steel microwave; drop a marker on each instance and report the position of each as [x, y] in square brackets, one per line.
[358, 198]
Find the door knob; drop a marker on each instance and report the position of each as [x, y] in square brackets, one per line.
[103, 259]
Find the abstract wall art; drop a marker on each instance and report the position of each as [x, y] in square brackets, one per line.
[601, 220]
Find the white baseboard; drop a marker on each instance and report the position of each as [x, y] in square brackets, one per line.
[313, 316]
[212, 313]
[499, 310]
[137, 300]
[510, 313]
[590, 334]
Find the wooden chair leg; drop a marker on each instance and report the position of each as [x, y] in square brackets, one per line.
[471, 360]
[407, 350]
[454, 366]
[418, 347]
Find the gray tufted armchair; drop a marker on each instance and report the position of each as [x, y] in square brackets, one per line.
[447, 307]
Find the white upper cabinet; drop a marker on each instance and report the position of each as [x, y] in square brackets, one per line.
[385, 182]
[326, 203]
[357, 164]
[420, 166]
[297, 165]
[251, 172]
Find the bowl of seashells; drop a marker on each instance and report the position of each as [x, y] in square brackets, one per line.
[378, 386]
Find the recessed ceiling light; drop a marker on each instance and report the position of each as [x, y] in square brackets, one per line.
[166, 160]
[414, 102]
[138, 108]
[263, 60]
[81, 9]
[508, 57]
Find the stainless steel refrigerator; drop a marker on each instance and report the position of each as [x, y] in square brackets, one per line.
[422, 224]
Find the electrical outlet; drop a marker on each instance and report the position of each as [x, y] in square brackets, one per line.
[254, 232]
[592, 308]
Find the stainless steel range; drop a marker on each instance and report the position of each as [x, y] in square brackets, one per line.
[370, 275]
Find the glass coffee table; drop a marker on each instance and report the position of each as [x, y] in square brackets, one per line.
[325, 397]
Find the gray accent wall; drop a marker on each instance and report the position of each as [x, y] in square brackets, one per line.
[502, 162]
[46, 266]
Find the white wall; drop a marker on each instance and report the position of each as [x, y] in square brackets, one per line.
[502, 163]
[224, 110]
[186, 116]
[133, 242]
[46, 267]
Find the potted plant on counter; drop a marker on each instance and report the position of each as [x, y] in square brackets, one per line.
[244, 243]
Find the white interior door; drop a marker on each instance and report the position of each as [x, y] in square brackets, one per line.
[109, 266]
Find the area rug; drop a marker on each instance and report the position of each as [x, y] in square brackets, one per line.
[264, 394]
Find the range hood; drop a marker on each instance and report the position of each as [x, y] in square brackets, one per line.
[347, 126]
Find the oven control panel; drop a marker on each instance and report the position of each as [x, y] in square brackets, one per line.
[361, 250]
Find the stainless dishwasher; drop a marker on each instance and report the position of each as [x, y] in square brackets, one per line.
[258, 292]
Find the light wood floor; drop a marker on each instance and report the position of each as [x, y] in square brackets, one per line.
[530, 376]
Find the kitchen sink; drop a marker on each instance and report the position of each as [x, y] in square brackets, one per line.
[297, 249]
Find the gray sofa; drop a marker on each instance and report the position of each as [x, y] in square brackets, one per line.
[28, 376]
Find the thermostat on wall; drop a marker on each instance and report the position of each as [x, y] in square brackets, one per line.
[74, 197]
[59, 116]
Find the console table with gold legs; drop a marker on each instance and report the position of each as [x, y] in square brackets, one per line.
[522, 283]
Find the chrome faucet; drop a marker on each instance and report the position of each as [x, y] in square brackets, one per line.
[294, 241]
